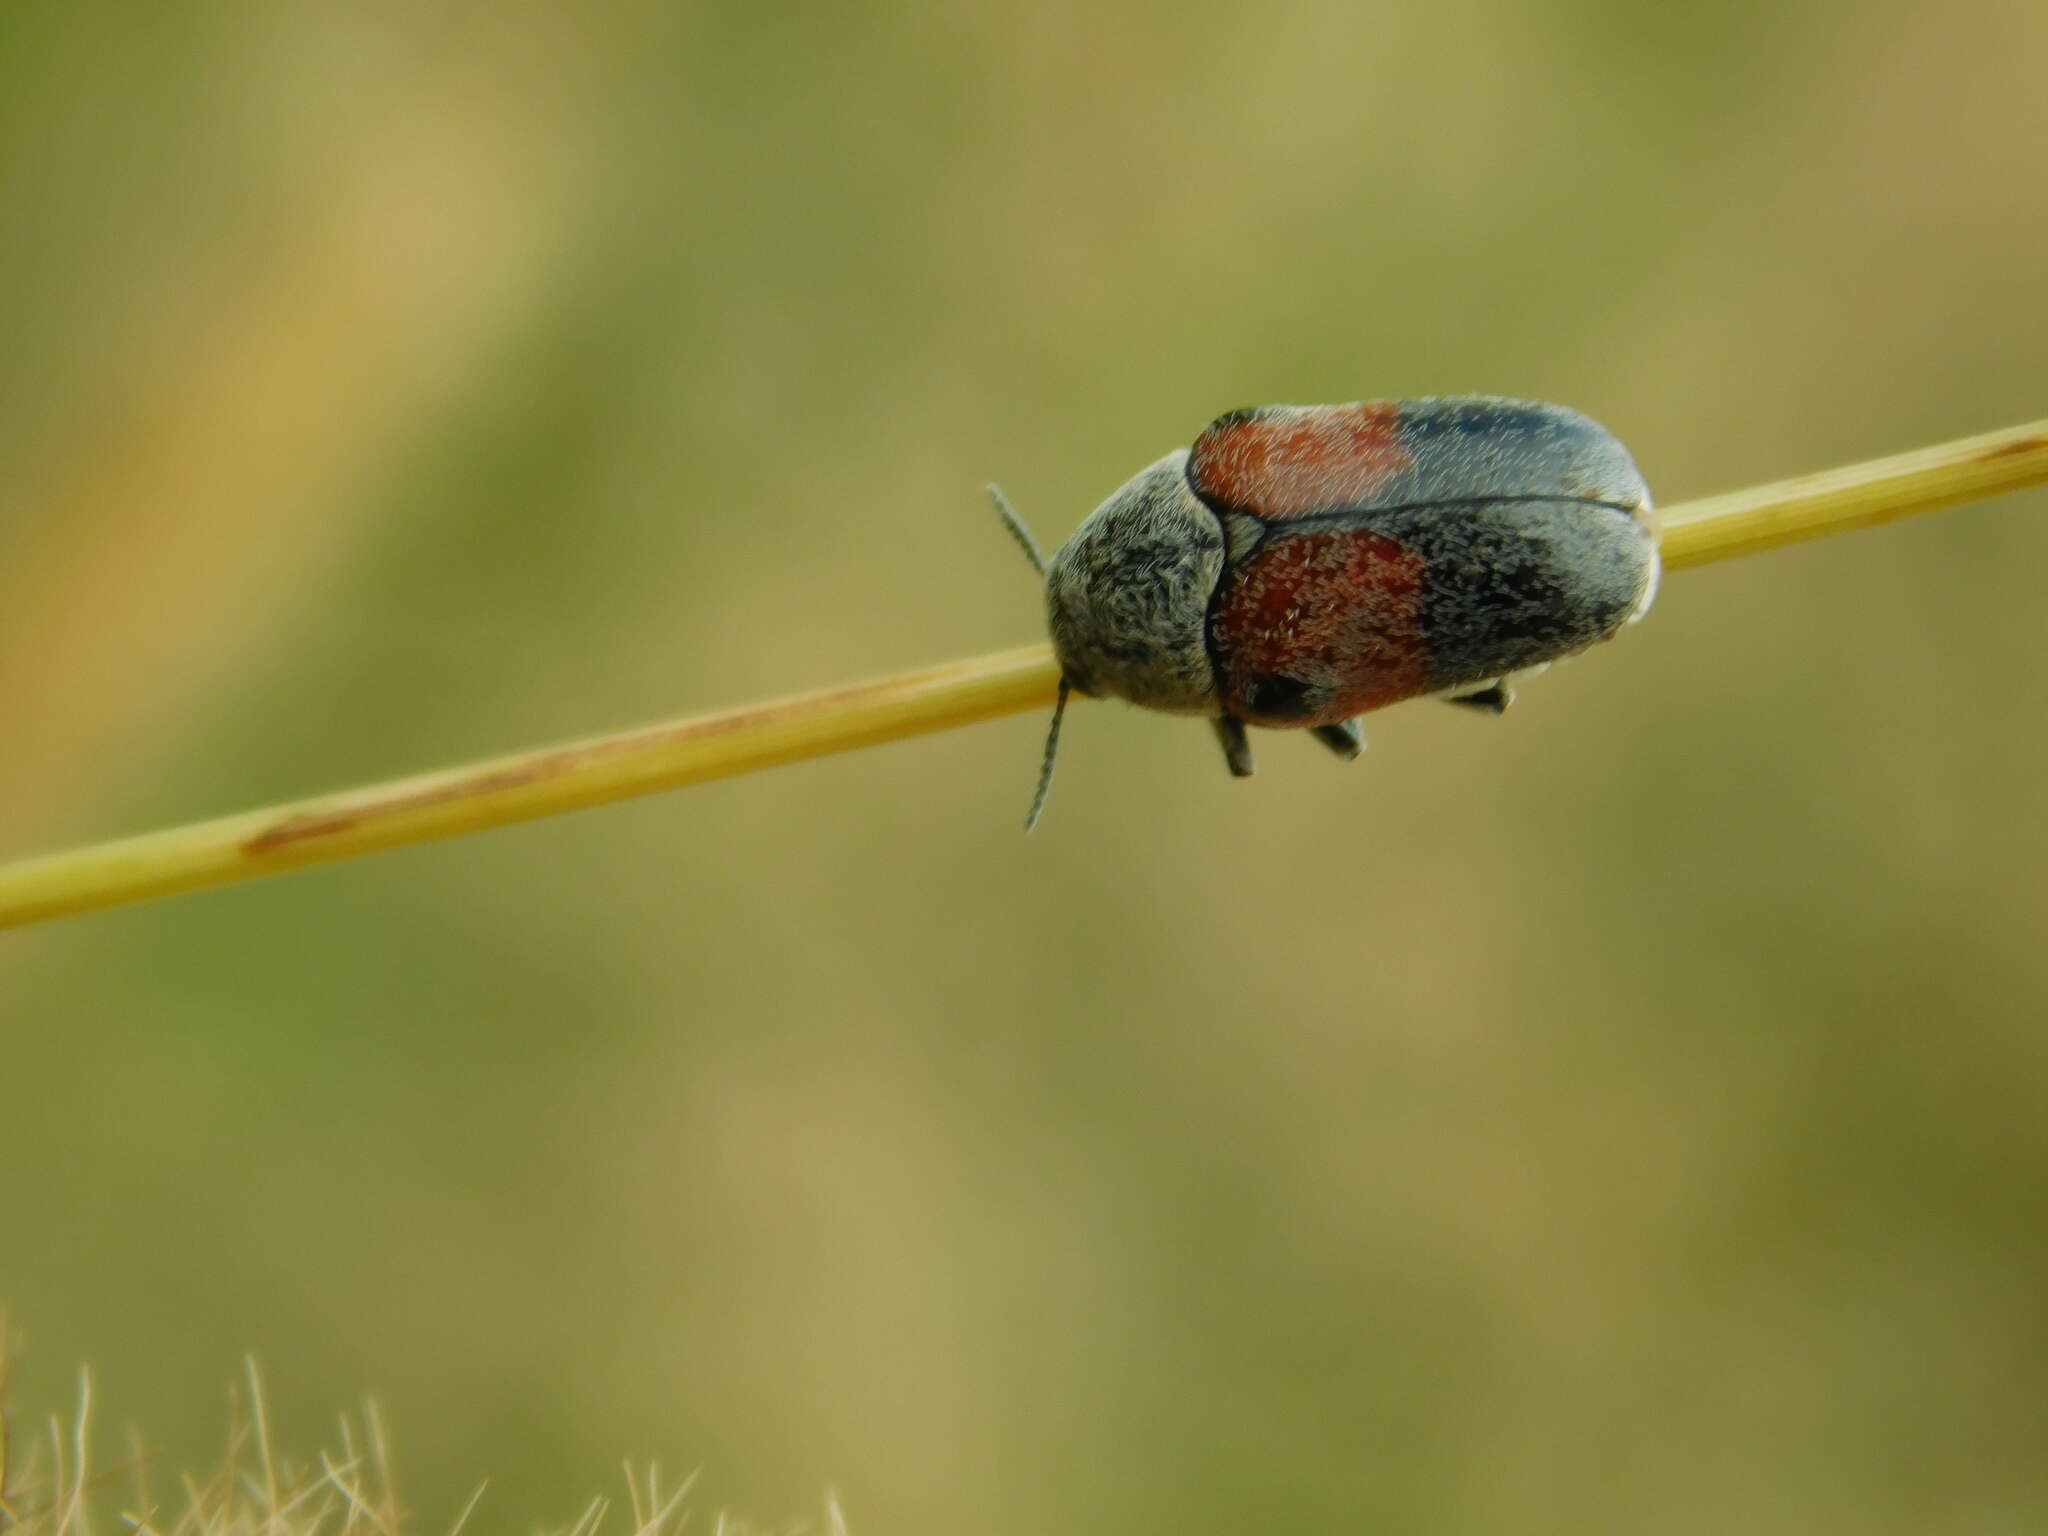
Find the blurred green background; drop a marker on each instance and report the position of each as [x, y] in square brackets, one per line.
[1625, 1116]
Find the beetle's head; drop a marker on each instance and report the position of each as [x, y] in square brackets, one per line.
[1128, 595]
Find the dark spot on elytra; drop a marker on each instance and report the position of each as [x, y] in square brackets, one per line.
[1280, 698]
[1527, 582]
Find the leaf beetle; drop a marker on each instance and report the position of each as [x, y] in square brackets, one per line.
[1302, 564]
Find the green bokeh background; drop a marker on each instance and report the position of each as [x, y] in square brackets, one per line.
[1625, 1116]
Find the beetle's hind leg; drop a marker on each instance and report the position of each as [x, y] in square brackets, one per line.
[1237, 748]
[1494, 698]
[1345, 738]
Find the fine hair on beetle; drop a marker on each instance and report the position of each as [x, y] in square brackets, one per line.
[1299, 566]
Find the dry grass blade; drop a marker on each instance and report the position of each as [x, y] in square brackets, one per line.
[55, 1488]
[524, 786]
[462, 1520]
[638, 762]
[1855, 496]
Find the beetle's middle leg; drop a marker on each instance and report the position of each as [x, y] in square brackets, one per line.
[1494, 698]
[1345, 738]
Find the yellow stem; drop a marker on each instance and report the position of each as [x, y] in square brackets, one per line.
[639, 762]
[1856, 495]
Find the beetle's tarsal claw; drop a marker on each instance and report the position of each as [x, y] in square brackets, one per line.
[1237, 749]
[1345, 738]
[1494, 699]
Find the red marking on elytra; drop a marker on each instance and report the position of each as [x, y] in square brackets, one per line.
[1341, 611]
[1289, 461]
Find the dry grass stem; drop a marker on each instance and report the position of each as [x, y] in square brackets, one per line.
[52, 1489]
[551, 780]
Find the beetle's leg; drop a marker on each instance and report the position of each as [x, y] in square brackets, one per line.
[1494, 698]
[1237, 750]
[1344, 738]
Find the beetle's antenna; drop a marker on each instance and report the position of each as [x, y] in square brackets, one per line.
[1029, 545]
[1016, 526]
[1052, 748]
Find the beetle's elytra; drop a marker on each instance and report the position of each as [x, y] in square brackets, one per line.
[1300, 565]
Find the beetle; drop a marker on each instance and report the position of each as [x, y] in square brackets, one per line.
[1300, 565]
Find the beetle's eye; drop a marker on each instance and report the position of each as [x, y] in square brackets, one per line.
[1282, 698]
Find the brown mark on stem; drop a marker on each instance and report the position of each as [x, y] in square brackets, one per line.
[305, 826]
[2025, 445]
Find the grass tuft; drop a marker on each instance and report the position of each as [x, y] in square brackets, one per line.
[50, 1484]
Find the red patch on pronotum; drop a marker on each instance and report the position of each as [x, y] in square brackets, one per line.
[1290, 460]
[1339, 611]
